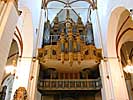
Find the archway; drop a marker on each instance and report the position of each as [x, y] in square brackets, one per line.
[26, 61]
[118, 28]
[25, 28]
[126, 55]
[119, 24]
[10, 69]
[124, 38]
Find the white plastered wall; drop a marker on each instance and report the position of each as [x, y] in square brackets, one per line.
[25, 27]
[112, 67]
[35, 9]
[28, 27]
[105, 7]
[114, 81]
[7, 27]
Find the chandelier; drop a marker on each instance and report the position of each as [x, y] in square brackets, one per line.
[129, 67]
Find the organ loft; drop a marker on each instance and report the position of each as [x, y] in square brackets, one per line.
[66, 50]
[68, 58]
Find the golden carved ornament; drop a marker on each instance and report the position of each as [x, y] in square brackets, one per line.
[20, 94]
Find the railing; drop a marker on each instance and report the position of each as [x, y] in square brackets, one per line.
[73, 84]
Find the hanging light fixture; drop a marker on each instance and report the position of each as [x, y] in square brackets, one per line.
[11, 69]
[129, 67]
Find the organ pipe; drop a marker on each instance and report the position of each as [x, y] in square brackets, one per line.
[62, 47]
[78, 48]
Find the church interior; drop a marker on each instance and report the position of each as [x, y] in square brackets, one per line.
[66, 50]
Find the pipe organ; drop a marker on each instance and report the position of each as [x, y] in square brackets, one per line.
[68, 41]
[69, 60]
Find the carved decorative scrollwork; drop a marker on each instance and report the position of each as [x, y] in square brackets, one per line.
[20, 94]
[86, 52]
[69, 41]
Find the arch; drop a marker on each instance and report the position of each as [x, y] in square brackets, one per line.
[11, 60]
[120, 25]
[25, 26]
[26, 32]
[13, 52]
[8, 77]
[126, 55]
[70, 2]
[8, 82]
[18, 38]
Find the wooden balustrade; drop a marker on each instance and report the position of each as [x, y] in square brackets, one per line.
[72, 84]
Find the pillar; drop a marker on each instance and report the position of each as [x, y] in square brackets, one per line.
[22, 75]
[33, 79]
[40, 30]
[2, 4]
[7, 26]
[129, 87]
[113, 82]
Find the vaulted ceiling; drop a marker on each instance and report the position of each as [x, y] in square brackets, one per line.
[127, 50]
[80, 8]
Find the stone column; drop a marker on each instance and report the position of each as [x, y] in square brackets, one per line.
[113, 82]
[33, 79]
[40, 31]
[22, 76]
[7, 27]
[129, 87]
[2, 3]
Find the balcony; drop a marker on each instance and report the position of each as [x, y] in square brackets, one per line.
[73, 84]
[62, 53]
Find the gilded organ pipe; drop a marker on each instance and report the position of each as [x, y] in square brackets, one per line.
[70, 44]
[69, 41]
[78, 48]
[62, 47]
[74, 46]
